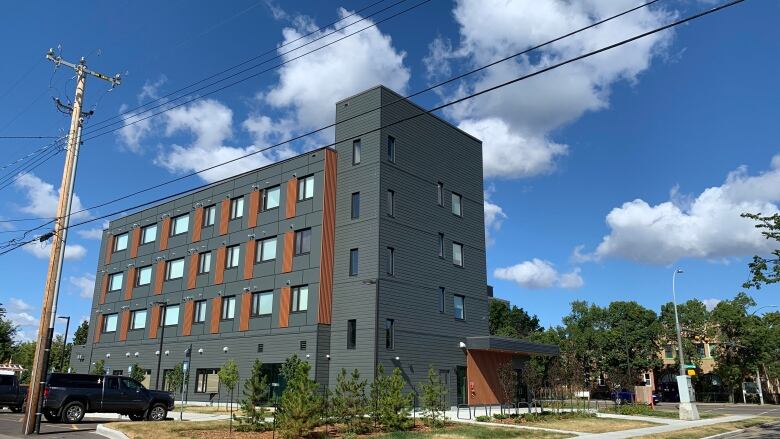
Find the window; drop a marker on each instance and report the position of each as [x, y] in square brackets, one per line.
[171, 315]
[233, 253]
[120, 242]
[355, 206]
[353, 262]
[236, 208]
[356, 152]
[115, 281]
[207, 381]
[209, 215]
[306, 188]
[138, 319]
[391, 202]
[266, 250]
[228, 307]
[262, 303]
[669, 351]
[459, 306]
[440, 193]
[390, 334]
[442, 299]
[174, 269]
[143, 276]
[390, 262]
[457, 254]
[302, 242]
[148, 234]
[204, 262]
[713, 350]
[441, 245]
[271, 198]
[109, 323]
[300, 298]
[180, 225]
[200, 312]
[700, 350]
[457, 208]
[351, 334]
[391, 148]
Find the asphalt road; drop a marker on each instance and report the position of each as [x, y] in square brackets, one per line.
[730, 409]
[11, 427]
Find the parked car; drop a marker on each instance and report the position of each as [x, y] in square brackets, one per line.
[12, 394]
[67, 397]
[622, 396]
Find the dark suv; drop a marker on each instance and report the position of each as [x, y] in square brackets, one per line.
[67, 397]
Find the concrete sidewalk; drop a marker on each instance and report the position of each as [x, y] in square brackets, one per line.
[676, 426]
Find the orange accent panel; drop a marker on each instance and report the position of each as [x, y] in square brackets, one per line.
[324, 310]
[192, 271]
[254, 209]
[159, 276]
[124, 325]
[216, 309]
[98, 329]
[482, 371]
[154, 321]
[103, 288]
[109, 248]
[198, 223]
[135, 239]
[130, 283]
[246, 304]
[287, 256]
[189, 309]
[224, 217]
[284, 307]
[249, 259]
[219, 274]
[292, 197]
[165, 233]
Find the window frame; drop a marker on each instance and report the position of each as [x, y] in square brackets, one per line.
[351, 334]
[390, 261]
[260, 249]
[304, 184]
[137, 281]
[174, 221]
[232, 252]
[354, 206]
[106, 317]
[227, 313]
[204, 374]
[295, 299]
[165, 314]
[133, 314]
[144, 231]
[459, 197]
[440, 193]
[391, 149]
[459, 246]
[441, 246]
[299, 241]
[209, 216]
[462, 298]
[390, 201]
[204, 267]
[356, 147]
[236, 208]
[442, 300]
[111, 277]
[257, 300]
[390, 334]
[354, 261]
[169, 264]
[200, 307]
[278, 190]
[122, 236]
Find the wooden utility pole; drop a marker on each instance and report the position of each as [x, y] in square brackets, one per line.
[34, 401]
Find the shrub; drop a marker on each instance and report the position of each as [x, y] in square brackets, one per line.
[390, 406]
[349, 402]
[432, 394]
[300, 405]
[483, 418]
[500, 416]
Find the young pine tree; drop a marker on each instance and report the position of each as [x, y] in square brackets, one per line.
[255, 391]
[349, 401]
[394, 404]
[432, 395]
[137, 373]
[300, 405]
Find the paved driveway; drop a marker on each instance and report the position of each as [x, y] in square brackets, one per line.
[11, 427]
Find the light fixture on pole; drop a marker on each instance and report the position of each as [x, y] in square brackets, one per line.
[688, 410]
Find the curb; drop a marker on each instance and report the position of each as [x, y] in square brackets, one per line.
[104, 431]
[728, 433]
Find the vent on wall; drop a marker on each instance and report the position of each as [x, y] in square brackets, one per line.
[259, 348]
[303, 345]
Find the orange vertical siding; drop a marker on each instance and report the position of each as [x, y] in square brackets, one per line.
[287, 255]
[109, 248]
[284, 307]
[216, 310]
[292, 198]
[254, 209]
[98, 328]
[219, 272]
[198, 220]
[324, 310]
[103, 288]
[159, 276]
[246, 306]
[224, 217]
[134, 241]
[249, 259]
[165, 233]
[130, 283]
[192, 271]
[125, 323]
[154, 321]
[189, 309]
[481, 372]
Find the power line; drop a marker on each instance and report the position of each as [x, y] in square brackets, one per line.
[29, 137]
[439, 107]
[11, 179]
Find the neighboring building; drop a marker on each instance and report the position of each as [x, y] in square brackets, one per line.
[370, 253]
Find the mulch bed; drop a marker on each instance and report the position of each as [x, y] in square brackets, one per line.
[319, 432]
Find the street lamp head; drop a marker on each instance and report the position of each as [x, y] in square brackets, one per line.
[64, 317]
[679, 271]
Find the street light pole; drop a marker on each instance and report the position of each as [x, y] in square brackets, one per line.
[64, 341]
[677, 323]
[687, 408]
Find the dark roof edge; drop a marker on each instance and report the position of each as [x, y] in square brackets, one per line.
[508, 344]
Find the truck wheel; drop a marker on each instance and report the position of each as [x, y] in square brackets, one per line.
[50, 416]
[158, 412]
[73, 412]
[16, 409]
[136, 416]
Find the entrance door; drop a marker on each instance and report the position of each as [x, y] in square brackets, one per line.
[461, 384]
[444, 376]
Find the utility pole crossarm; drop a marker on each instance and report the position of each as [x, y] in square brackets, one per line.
[57, 60]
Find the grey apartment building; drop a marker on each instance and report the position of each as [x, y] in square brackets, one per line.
[372, 252]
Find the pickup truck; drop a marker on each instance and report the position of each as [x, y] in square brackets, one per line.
[12, 394]
[67, 397]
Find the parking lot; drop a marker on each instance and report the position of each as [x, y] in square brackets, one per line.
[11, 427]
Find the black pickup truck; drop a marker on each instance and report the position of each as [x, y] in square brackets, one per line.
[67, 397]
[12, 394]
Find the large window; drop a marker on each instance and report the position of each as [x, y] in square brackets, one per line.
[174, 269]
[390, 261]
[120, 242]
[109, 323]
[391, 148]
[207, 381]
[149, 234]
[143, 276]
[306, 188]
[233, 254]
[271, 198]
[228, 308]
[200, 312]
[266, 249]
[390, 202]
[209, 215]
[262, 303]
[457, 254]
[351, 334]
[459, 306]
[302, 242]
[115, 281]
[390, 334]
[355, 210]
[204, 262]
[171, 315]
[138, 319]
[236, 208]
[356, 152]
[457, 206]
[354, 258]
[300, 298]
[181, 224]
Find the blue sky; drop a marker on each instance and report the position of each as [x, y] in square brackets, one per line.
[600, 177]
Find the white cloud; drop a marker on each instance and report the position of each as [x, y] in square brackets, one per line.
[96, 233]
[517, 123]
[42, 198]
[73, 252]
[136, 126]
[18, 305]
[494, 216]
[84, 284]
[707, 226]
[539, 274]
[710, 304]
[20, 313]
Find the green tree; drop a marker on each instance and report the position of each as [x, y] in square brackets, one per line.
[80, 336]
[58, 354]
[228, 377]
[7, 334]
[349, 401]
[393, 405]
[255, 391]
[24, 353]
[694, 325]
[511, 322]
[174, 379]
[99, 368]
[765, 270]
[432, 394]
[137, 373]
[507, 379]
[630, 342]
[300, 405]
[583, 337]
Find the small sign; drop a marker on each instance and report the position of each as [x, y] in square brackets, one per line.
[691, 372]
